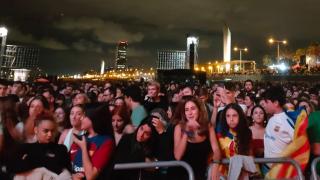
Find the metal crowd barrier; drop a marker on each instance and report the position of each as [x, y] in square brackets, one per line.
[143, 165]
[262, 161]
[314, 168]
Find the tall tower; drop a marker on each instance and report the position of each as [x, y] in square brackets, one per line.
[121, 54]
[3, 36]
[227, 46]
[192, 52]
[102, 67]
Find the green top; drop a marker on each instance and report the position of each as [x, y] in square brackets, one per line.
[314, 127]
[138, 114]
[314, 133]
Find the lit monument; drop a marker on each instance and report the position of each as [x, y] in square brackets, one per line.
[102, 67]
[192, 52]
[3, 35]
[227, 46]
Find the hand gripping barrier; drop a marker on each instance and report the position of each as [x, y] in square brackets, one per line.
[143, 165]
[262, 161]
[314, 169]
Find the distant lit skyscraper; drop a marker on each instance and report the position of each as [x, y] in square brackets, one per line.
[192, 52]
[121, 54]
[171, 59]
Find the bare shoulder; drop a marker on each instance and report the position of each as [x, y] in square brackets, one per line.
[63, 135]
[178, 127]
[65, 132]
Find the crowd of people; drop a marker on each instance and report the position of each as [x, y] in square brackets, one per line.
[80, 130]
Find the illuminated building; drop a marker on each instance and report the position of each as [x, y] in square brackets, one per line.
[171, 59]
[192, 52]
[121, 55]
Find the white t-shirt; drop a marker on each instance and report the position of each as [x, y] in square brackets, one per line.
[278, 135]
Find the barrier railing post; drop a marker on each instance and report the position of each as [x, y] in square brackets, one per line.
[143, 165]
[314, 168]
[262, 161]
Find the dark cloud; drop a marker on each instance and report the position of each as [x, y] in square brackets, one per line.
[45, 42]
[87, 31]
[104, 31]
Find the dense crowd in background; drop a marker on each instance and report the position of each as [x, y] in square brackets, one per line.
[80, 130]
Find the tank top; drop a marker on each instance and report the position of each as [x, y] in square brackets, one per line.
[68, 141]
[197, 155]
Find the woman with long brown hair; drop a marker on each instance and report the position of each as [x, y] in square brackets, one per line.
[194, 138]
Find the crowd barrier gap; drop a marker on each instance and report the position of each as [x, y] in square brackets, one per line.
[314, 168]
[144, 165]
[261, 161]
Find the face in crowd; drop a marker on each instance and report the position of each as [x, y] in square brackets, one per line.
[100, 97]
[226, 96]
[232, 118]
[45, 131]
[68, 91]
[144, 133]
[153, 91]
[76, 115]
[258, 115]
[117, 123]
[79, 99]
[3, 90]
[187, 91]
[191, 111]
[269, 106]
[86, 123]
[59, 114]
[248, 86]
[107, 95]
[119, 102]
[248, 102]
[36, 107]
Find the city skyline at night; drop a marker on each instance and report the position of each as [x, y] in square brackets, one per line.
[73, 36]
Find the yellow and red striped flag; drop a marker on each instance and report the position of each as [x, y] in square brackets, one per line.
[298, 149]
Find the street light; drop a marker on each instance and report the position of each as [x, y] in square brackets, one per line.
[271, 41]
[3, 31]
[210, 68]
[240, 51]
[3, 35]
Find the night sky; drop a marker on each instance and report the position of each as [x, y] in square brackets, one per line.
[75, 35]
